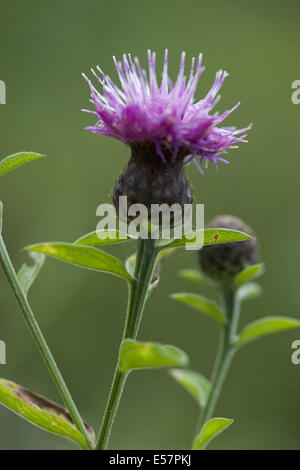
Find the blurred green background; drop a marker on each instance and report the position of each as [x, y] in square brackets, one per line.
[45, 45]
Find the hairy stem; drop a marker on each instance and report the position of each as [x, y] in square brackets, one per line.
[41, 342]
[138, 291]
[225, 354]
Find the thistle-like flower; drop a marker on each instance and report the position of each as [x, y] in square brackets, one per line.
[224, 261]
[164, 126]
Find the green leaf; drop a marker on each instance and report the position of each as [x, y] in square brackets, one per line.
[13, 161]
[140, 355]
[211, 236]
[40, 411]
[196, 384]
[249, 273]
[193, 275]
[266, 326]
[87, 257]
[103, 237]
[27, 274]
[249, 290]
[211, 429]
[201, 303]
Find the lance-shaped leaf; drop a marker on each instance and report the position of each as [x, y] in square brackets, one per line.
[84, 256]
[249, 273]
[17, 159]
[199, 302]
[27, 274]
[141, 355]
[266, 326]
[103, 237]
[211, 429]
[40, 411]
[249, 290]
[196, 384]
[209, 236]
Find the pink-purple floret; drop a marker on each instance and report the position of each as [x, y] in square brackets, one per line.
[166, 114]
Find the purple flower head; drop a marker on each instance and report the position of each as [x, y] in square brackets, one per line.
[164, 114]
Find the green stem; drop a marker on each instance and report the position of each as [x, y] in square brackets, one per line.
[40, 342]
[225, 354]
[138, 290]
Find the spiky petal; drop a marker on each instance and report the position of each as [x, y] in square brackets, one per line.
[165, 114]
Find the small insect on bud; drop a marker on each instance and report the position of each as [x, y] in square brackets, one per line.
[222, 262]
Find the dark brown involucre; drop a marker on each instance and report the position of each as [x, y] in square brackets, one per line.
[148, 180]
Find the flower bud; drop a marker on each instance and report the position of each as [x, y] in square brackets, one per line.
[148, 179]
[222, 262]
